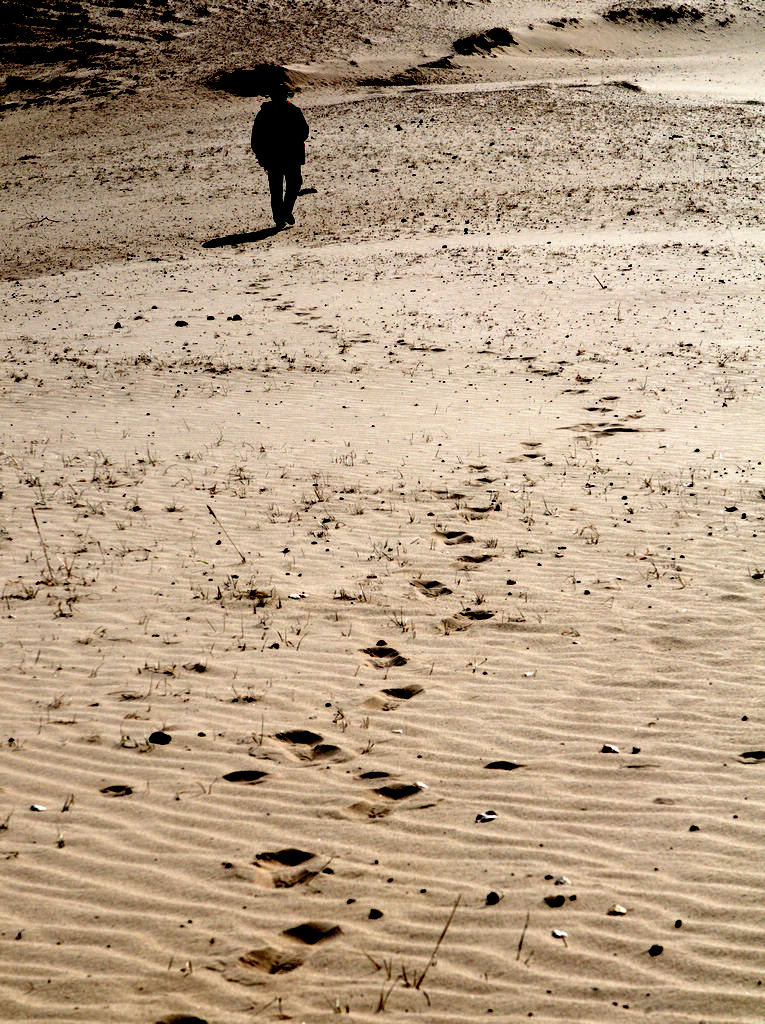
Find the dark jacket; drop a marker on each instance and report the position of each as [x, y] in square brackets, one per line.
[279, 134]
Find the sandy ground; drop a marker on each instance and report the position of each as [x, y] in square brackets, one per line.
[382, 626]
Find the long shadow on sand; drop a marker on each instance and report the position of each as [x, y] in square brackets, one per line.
[242, 238]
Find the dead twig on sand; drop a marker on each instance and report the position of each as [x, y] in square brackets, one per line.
[44, 547]
[384, 996]
[523, 935]
[226, 534]
[431, 961]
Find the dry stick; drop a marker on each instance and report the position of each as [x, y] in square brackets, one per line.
[430, 962]
[603, 286]
[384, 996]
[523, 935]
[226, 534]
[265, 1007]
[44, 547]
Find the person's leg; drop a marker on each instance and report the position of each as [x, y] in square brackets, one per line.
[293, 181]
[276, 186]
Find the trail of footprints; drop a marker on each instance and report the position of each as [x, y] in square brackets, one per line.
[283, 954]
[293, 866]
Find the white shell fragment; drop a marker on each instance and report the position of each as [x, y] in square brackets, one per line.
[37, 807]
[616, 910]
[561, 880]
[485, 816]
[558, 933]
[608, 748]
[297, 596]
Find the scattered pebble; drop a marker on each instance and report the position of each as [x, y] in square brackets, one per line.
[555, 901]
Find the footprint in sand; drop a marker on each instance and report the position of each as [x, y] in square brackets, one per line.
[246, 776]
[475, 559]
[430, 588]
[269, 960]
[443, 492]
[465, 619]
[362, 810]
[283, 869]
[181, 1018]
[391, 792]
[300, 736]
[455, 624]
[272, 960]
[329, 752]
[380, 701]
[384, 656]
[399, 790]
[313, 746]
[473, 512]
[310, 933]
[454, 537]
[117, 790]
[404, 692]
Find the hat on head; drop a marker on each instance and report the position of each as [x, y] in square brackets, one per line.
[280, 89]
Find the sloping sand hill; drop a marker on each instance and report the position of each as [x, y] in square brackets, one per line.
[382, 628]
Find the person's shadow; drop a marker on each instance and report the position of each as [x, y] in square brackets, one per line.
[242, 238]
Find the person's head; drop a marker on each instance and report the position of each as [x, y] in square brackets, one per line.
[280, 92]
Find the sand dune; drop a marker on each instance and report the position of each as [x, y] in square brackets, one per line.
[382, 598]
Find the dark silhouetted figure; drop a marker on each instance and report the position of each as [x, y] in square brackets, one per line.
[278, 141]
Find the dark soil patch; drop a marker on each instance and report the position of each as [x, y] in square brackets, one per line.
[665, 14]
[482, 43]
[256, 81]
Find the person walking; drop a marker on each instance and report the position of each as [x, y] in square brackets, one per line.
[278, 142]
